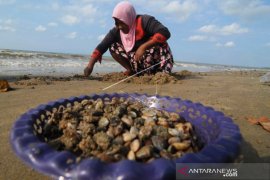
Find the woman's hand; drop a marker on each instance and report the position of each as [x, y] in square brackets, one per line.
[87, 71]
[141, 50]
[89, 68]
[139, 53]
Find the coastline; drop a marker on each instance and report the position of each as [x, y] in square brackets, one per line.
[237, 94]
[14, 63]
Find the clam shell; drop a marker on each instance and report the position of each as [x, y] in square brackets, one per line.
[102, 140]
[144, 152]
[99, 105]
[159, 142]
[145, 131]
[174, 140]
[127, 121]
[103, 122]
[162, 121]
[116, 129]
[181, 146]
[174, 116]
[127, 136]
[131, 155]
[135, 145]
[165, 154]
[85, 102]
[173, 132]
[134, 131]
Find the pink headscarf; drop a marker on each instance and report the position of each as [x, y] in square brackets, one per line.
[124, 11]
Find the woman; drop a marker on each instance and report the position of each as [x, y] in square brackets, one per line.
[137, 42]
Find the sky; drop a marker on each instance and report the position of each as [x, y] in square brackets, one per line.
[229, 32]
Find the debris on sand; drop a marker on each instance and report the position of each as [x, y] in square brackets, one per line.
[263, 121]
[4, 86]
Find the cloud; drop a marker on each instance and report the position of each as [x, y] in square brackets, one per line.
[228, 44]
[248, 9]
[172, 7]
[7, 2]
[176, 10]
[197, 38]
[72, 35]
[180, 11]
[76, 12]
[101, 37]
[88, 10]
[40, 28]
[81, 9]
[70, 20]
[233, 28]
[267, 44]
[7, 25]
[55, 6]
[52, 24]
[7, 28]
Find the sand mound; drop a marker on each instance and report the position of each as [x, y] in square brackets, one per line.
[158, 78]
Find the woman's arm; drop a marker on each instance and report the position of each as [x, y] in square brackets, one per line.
[155, 29]
[158, 34]
[140, 51]
[99, 50]
[89, 68]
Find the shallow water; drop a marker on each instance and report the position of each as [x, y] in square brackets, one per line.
[18, 63]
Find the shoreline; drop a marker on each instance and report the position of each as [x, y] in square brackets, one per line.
[61, 55]
[238, 94]
[96, 75]
[34, 63]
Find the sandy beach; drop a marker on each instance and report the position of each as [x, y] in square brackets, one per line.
[237, 94]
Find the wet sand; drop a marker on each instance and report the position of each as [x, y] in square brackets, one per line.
[237, 94]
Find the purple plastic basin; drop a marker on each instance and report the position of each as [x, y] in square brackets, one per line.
[218, 133]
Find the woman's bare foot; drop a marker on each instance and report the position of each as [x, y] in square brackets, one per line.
[128, 73]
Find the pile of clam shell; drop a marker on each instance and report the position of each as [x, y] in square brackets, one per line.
[116, 129]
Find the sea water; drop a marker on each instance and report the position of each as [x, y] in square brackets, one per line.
[18, 63]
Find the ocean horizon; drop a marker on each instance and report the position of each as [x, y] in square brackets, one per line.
[36, 63]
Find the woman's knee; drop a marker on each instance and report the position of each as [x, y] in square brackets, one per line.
[114, 55]
[117, 52]
[117, 57]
